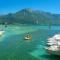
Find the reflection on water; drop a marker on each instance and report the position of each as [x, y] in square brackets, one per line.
[14, 47]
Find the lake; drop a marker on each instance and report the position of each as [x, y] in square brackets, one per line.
[14, 47]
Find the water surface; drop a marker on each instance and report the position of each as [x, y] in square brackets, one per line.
[14, 47]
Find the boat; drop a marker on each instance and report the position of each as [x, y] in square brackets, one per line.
[53, 45]
[28, 37]
[1, 33]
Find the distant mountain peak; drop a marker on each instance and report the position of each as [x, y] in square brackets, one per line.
[27, 9]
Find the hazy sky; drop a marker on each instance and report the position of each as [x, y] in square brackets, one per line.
[7, 6]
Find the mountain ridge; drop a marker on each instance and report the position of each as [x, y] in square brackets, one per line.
[29, 16]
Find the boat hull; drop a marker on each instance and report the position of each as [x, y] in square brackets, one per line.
[53, 52]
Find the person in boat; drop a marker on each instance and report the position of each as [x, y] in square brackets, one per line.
[28, 36]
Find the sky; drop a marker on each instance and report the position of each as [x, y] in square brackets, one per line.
[12, 6]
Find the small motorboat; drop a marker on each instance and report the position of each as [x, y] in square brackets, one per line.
[28, 37]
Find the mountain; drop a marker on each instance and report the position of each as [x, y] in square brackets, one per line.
[29, 16]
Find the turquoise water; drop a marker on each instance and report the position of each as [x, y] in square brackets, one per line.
[14, 47]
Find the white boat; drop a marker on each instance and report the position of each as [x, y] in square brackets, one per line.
[1, 33]
[53, 45]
